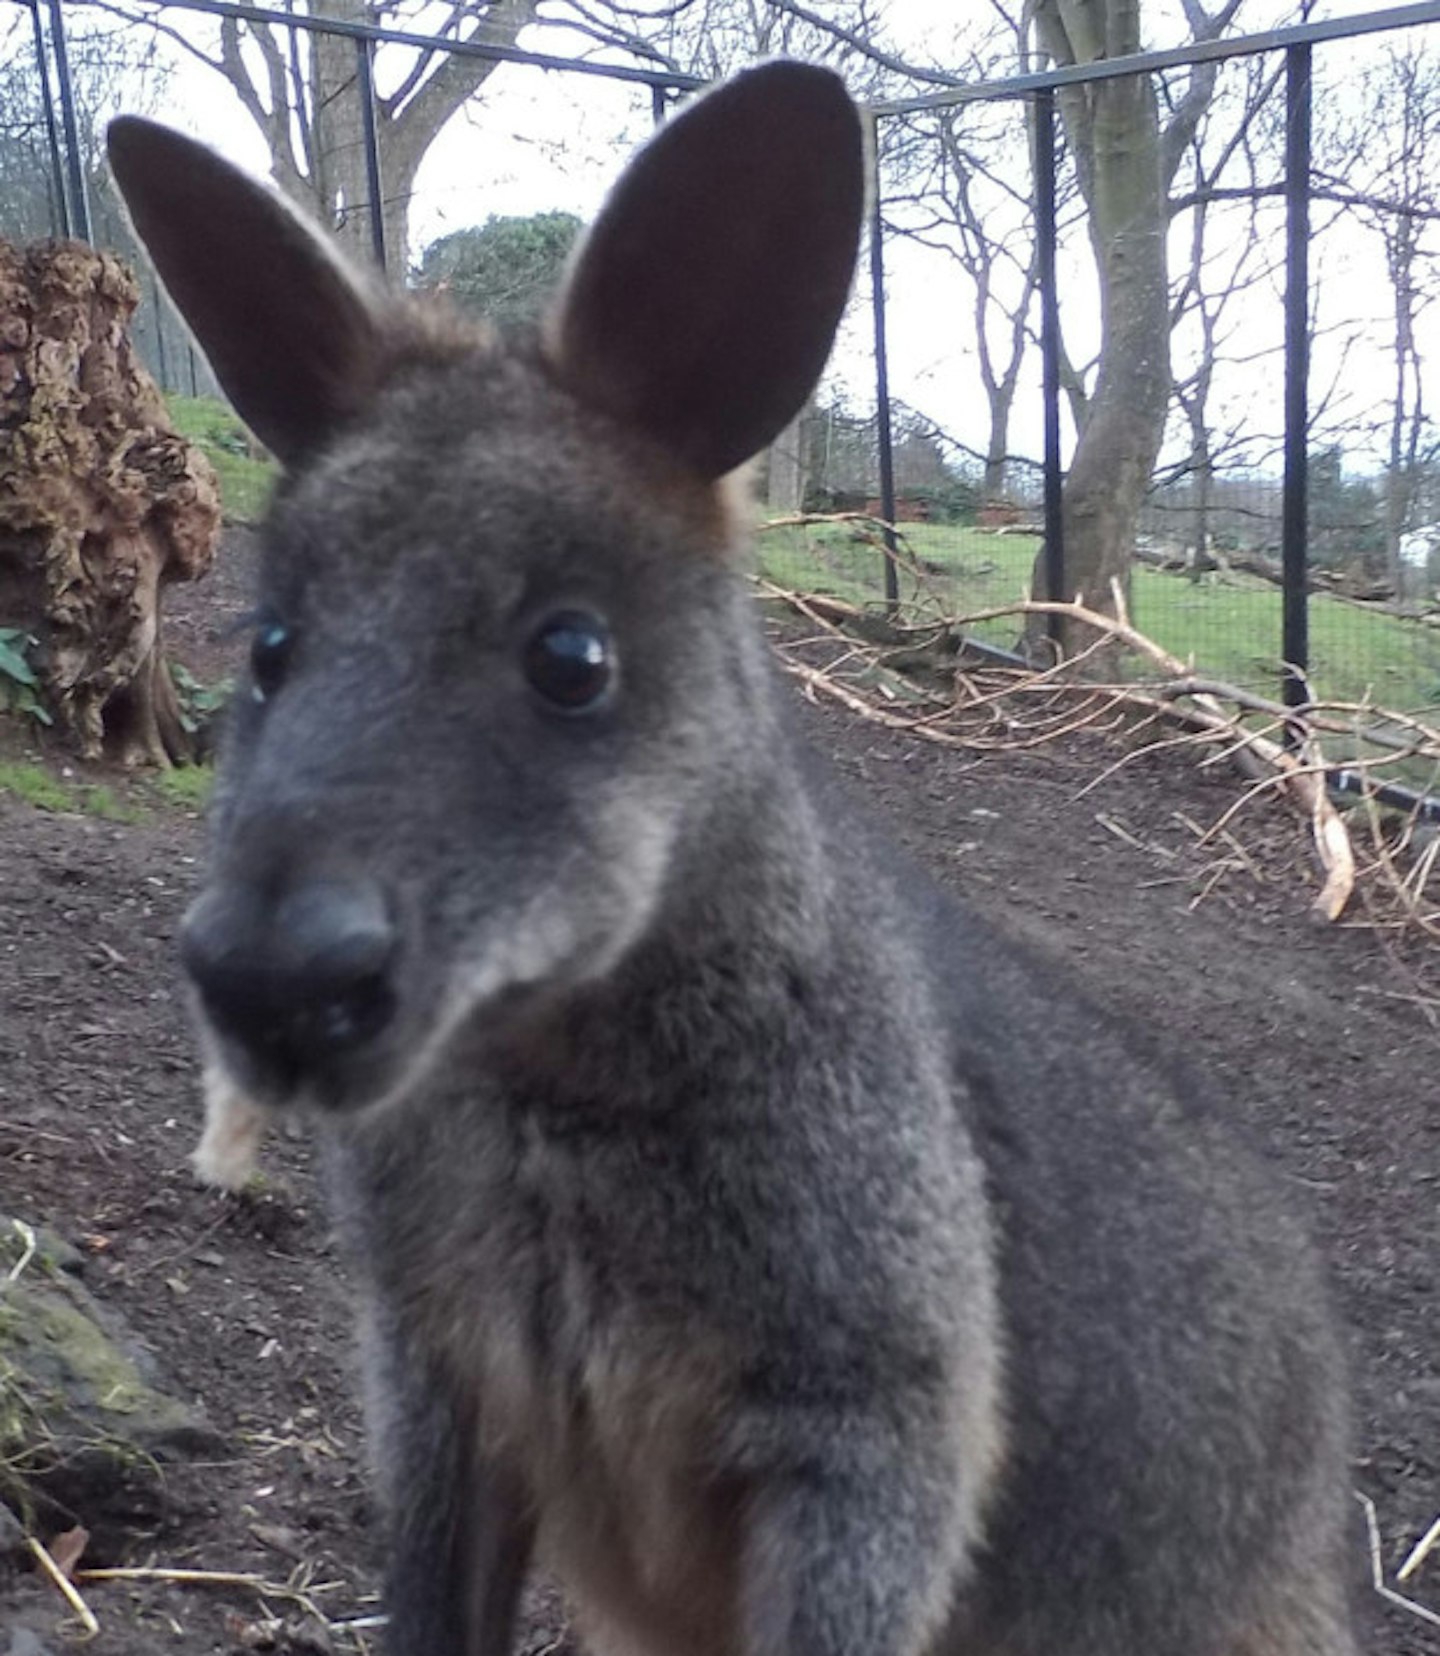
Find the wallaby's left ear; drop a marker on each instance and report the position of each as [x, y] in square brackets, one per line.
[704, 302]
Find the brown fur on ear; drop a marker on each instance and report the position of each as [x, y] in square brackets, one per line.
[292, 334]
[704, 303]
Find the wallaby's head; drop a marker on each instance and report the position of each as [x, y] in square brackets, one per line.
[502, 670]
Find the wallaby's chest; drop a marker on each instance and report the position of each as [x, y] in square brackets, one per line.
[551, 1271]
[565, 1305]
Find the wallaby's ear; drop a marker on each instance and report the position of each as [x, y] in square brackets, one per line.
[704, 302]
[289, 331]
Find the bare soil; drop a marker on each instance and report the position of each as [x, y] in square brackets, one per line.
[1324, 1040]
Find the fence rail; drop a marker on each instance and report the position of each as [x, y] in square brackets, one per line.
[1037, 94]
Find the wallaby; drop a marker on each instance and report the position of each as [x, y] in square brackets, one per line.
[746, 1233]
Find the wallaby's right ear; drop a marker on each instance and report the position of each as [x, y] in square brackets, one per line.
[290, 332]
[704, 302]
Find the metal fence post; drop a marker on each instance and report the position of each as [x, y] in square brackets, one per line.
[1295, 640]
[365, 85]
[59, 205]
[882, 369]
[78, 202]
[1045, 237]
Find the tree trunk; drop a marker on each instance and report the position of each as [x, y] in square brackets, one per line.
[1115, 133]
[1124, 161]
[101, 503]
[1203, 485]
[339, 177]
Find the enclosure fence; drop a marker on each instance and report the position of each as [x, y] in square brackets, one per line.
[1260, 555]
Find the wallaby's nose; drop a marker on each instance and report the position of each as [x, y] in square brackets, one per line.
[299, 979]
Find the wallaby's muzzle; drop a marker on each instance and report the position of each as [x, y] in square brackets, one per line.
[296, 980]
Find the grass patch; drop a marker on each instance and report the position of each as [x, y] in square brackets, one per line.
[35, 786]
[46, 792]
[1231, 630]
[972, 569]
[188, 787]
[245, 480]
[99, 801]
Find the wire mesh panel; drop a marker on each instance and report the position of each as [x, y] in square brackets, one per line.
[488, 211]
[31, 204]
[1373, 502]
[963, 417]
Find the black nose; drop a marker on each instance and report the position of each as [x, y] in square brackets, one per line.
[298, 979]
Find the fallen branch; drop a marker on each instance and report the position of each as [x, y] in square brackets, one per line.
[1298, 769]
[991, 707]
[300, 1591]
[1377, 1569]
[64, 1586]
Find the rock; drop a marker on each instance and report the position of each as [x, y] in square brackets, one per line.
[85, 1428]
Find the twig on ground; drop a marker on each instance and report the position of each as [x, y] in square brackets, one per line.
[1419, 1552]
[64, 1586]
[29, 1243]
[999, 708]
[299, 1590]
[1377, 1568]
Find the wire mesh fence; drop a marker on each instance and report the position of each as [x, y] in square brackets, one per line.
[1212, 555]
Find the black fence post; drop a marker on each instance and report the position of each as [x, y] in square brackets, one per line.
[882, 371]
[79, 202]
[1294, 528]
[365, 85]
[1045, 238]
[59, 205]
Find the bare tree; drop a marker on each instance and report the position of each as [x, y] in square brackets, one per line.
[1397, 180]
[1219, 271]
[1126, 153]
[302, 88]
[964, 195]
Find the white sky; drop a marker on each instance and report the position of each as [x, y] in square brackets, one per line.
[538, 141]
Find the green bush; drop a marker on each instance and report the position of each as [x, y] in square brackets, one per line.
[19, 685]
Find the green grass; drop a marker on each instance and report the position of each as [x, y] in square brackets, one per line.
[35, 786]
[972, 569]
[1230, 630]
[187, 789]
[245, 481]
[47, 792]
[99, 801]
[188, 786]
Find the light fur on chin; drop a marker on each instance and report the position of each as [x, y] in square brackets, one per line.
[234, 1126]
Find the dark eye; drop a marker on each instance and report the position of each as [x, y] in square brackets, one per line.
[270, 654]
[570, 661]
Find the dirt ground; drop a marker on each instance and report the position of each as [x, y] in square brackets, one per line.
[1324, 1039]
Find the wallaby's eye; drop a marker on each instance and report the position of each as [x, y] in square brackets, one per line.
[270, 658]
[570, 661]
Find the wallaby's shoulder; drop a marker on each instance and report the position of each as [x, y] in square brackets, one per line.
[1034, 1048]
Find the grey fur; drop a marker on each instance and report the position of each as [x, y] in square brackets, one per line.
[747, 1233]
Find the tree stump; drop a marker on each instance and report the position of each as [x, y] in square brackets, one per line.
[102, 503]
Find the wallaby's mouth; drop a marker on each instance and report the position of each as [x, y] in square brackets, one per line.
[300, 992]
[323, 1056]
